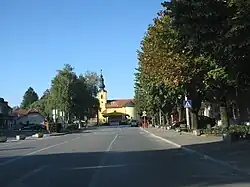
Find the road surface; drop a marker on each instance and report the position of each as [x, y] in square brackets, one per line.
[108, 157]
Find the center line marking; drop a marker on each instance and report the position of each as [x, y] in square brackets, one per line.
[111, 143]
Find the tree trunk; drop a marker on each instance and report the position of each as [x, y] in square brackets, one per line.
[153, 120]
[194, 120]
[224, 113]
[224, 116]
[180, 113]
[160, 118]
[167, 119]
[163, 120]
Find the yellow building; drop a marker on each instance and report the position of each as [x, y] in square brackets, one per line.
[114, 110]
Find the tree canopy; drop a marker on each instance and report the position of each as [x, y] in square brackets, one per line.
[72, 95]
[202, 54]
[30, 96]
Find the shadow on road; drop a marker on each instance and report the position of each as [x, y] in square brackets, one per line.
[158, 168]
[236, 154]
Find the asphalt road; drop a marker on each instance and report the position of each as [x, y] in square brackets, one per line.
[108, 157]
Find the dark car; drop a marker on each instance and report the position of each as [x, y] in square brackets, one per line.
[34, 127]
[134, 123]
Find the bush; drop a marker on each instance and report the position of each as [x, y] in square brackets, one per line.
[236, 131]
[55, 127]
[72, 127]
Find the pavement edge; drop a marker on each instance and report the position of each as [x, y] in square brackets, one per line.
[207, 157]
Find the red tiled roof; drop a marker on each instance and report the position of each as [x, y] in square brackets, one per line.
[118, 103]
[22, 112]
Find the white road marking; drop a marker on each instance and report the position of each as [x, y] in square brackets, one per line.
[111, 143]
[97, 167]
[45, 148]
[206, 157]
[31, 173]
[27, 140]
[94, 179]
[76, 138]
[19, 182]
[34, 152]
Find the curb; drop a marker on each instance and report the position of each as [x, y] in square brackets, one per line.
[56, 134]
[192, 151]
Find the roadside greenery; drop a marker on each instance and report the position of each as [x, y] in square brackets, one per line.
[69, 93]
[30, 96]
[203, 54]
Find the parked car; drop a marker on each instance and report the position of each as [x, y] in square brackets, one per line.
[134, 123]
[34, 127]
[114, 123]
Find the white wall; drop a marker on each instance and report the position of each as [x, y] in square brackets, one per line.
[33, 118]
[131, 112]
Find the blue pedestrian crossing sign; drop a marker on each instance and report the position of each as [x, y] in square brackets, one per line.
[187, 104]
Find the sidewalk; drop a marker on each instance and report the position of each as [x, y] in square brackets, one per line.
[236, 155]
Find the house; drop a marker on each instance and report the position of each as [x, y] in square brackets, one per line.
[27, 116]
[6, 118]
[114, 110]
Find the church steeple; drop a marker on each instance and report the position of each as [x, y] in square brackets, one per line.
[101, 83]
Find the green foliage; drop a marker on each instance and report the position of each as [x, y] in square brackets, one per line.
[72, 94]
[202, 53]
[44, 104]
[30, 96]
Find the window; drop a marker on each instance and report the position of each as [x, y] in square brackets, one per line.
[101, 96]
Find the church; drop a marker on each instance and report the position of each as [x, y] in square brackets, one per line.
[116, 110]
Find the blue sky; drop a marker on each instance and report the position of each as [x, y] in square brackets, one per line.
[37, 37]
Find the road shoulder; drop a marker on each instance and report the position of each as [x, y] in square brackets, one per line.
[234, 156]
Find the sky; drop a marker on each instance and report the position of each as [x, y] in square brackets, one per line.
[39, 37]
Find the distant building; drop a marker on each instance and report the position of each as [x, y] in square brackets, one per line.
[6, 118]
[114, 110]
[27, 116]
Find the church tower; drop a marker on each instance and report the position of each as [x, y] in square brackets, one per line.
[102, 97]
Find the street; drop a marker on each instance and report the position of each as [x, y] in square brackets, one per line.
[108, 157]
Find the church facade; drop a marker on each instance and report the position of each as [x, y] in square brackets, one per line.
[113, 110]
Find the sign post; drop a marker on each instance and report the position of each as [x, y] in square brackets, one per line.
[144, 114]
[187, 104]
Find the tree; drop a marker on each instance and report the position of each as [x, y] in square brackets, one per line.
[161, 59]
[61, 90]
[29, 97]
[72, 94]
[236, 45]
[203, 54]
[92, 80]
[217, 30]
[44, 104]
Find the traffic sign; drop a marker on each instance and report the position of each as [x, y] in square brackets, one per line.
[187, 104]
[144, 113]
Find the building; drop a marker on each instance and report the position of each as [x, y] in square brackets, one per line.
[6, 118]
[113, 110]
[29, 116]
